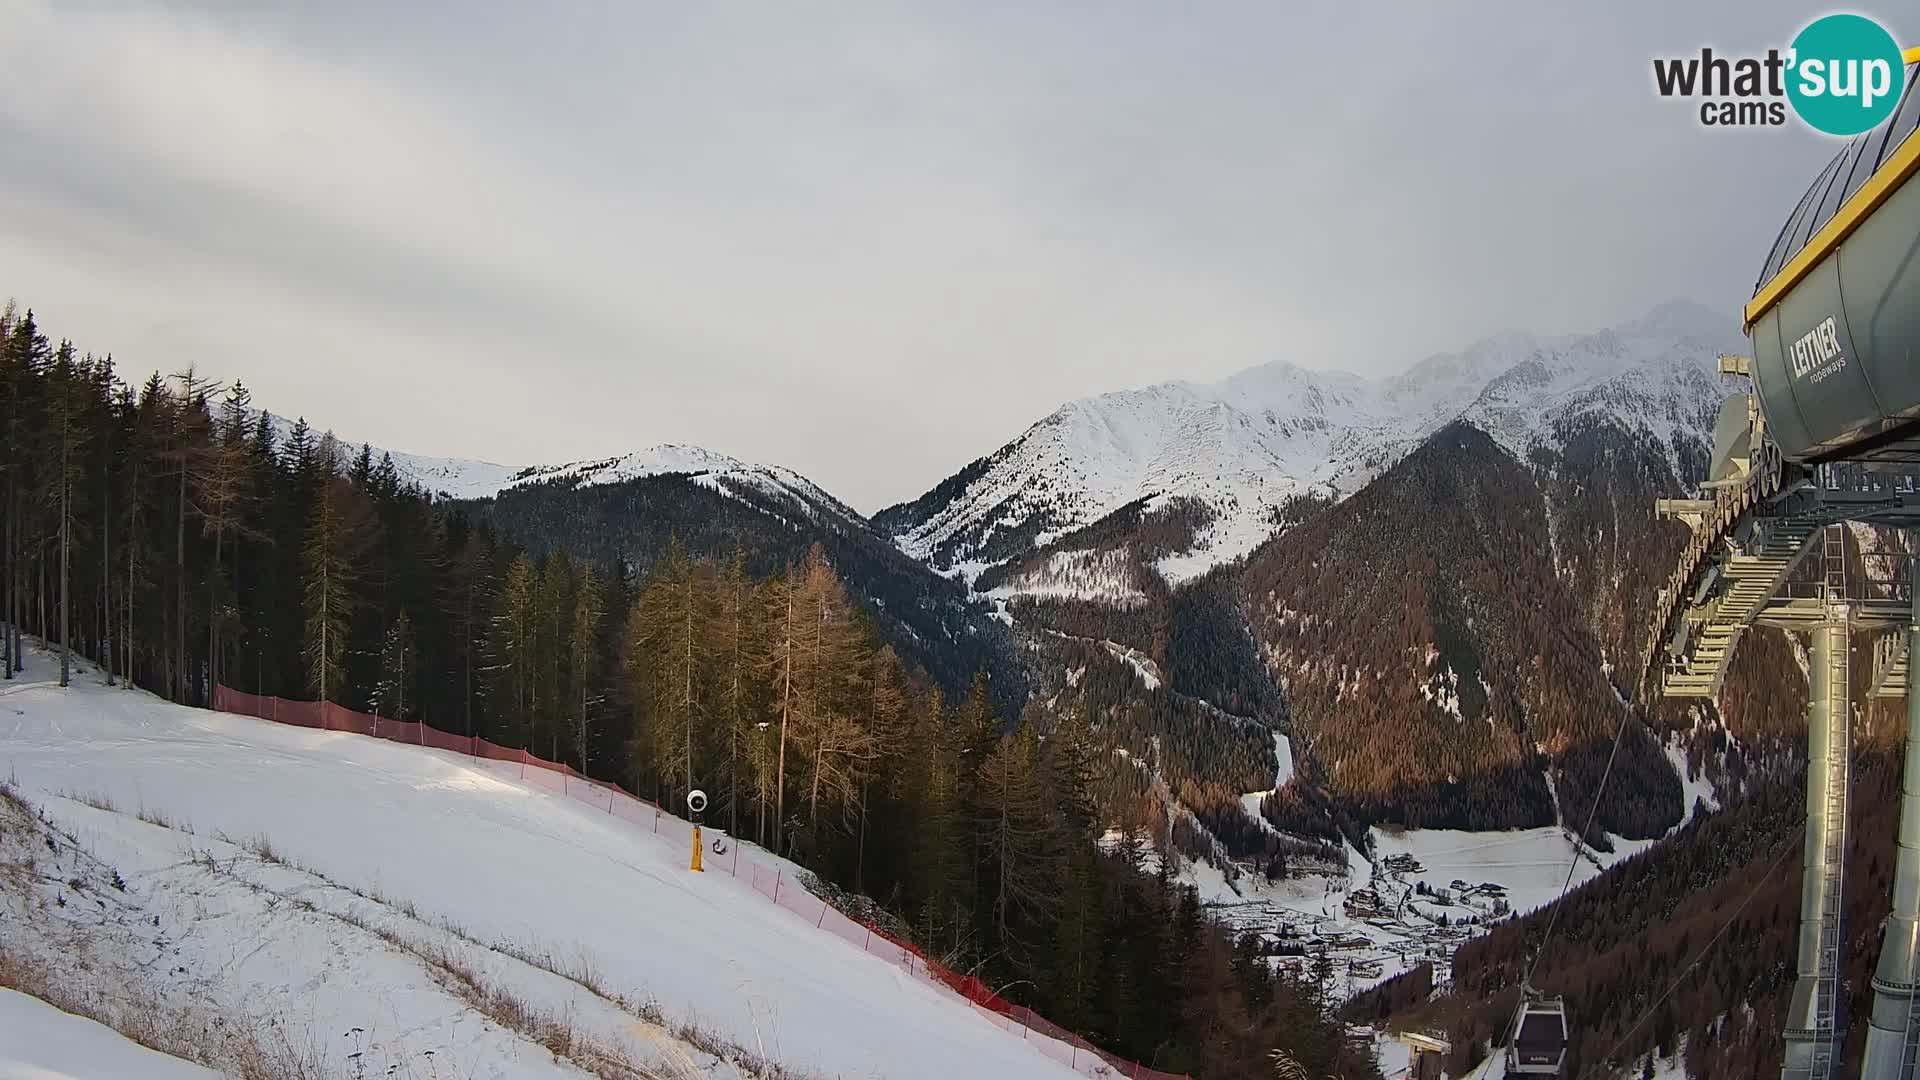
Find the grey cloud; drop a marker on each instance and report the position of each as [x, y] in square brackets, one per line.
[867, 241]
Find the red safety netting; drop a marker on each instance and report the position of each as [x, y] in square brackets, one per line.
[770, 881]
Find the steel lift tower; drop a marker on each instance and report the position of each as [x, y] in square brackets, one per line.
[1829, 435]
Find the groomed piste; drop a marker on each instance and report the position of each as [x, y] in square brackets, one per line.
[461, 849]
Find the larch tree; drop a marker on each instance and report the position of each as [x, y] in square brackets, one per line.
[829, 646]
[336, 538]
[669, 632]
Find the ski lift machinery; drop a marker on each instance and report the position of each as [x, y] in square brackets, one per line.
[1830, 434]
[1539, 1042]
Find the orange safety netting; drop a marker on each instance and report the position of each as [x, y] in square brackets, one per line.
[771, 882]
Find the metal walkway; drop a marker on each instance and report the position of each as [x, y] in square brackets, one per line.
[1739, 569]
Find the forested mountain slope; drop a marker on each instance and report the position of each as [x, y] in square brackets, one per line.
[715, 507]
[167, 534]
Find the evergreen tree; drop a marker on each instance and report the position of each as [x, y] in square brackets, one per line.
[397, 670]
[583, 646]
[1020, 840]
[512, 646]
[337, 535]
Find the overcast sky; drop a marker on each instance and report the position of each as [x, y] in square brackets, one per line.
[868, 241]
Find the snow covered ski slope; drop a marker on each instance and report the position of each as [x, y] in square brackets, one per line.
[443, 846]
[40, 1042]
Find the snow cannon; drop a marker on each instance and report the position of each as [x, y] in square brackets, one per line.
[1835, 315]
[696, 805]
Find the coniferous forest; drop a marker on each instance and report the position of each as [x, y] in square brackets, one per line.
[177, 537]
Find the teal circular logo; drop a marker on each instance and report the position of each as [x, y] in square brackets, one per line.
[1845, 74]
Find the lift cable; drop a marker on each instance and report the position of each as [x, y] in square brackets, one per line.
[1553, 920]
[1765, 876]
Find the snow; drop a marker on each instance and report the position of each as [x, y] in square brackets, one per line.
[428, 843]
[1394, 1057]
[1243, 445]
[39, 1042]
[1143, 665]
[1102, 575]
[467, 478]
[1694, 790]
[1283, 753]
[447, 477]
[1530, 864]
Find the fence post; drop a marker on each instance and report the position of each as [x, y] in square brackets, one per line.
[736, 857]
[822, 920]
[776, 885]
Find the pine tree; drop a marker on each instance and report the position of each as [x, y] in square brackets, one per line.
[62, 473]
[888, 736]
[1072, 979]
[222, 480]
[1019, 841]
[512, 640]
[583, 645]
[27, 353]
[472, 567]
[187, 447]
[553, 697]
[337, 534]
[397, 670]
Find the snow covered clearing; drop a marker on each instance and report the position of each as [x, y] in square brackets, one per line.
[1694, 789]
[1143, 665]
[368, 897]
[40, 1042]
[1102, 575]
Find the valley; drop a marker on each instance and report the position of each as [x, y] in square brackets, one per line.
[1350, 710]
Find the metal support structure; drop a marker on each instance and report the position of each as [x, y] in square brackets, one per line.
[1893, 1034]
[1816, 1018]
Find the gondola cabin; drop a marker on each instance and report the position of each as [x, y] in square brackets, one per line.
[1539, 1045]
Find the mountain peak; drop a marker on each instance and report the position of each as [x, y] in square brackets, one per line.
[1684, 319]
[1237, 451]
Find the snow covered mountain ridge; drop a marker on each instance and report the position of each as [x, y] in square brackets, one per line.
[1244, 446]
[469, 478]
